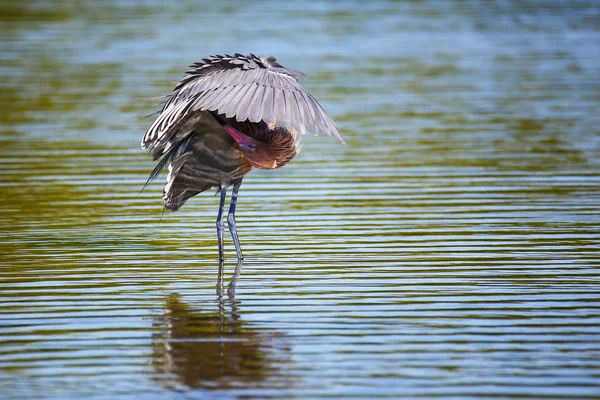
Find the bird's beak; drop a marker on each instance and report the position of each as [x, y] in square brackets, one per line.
[240, 138]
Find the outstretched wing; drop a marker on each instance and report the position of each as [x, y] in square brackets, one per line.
[245, 87]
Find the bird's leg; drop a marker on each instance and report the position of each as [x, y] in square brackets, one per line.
[231, 221]
[220, 229]
[236, 242]
[220, 283]
[236, 277]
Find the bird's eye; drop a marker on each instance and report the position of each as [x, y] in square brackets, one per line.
[250, 147]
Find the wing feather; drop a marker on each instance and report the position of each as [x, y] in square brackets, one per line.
[278, 105]
[228, 98]
[268, 114]
[213, 97]
[299, 110]
[233, 105]
[245, 87]
[326, 125]
[246, 102]
[309, 113]
[255, 111]
[287, 108]
[231, 78]
[221, 102]
[321, 123]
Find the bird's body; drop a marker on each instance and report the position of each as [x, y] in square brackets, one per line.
[211, 157]
[230, 114]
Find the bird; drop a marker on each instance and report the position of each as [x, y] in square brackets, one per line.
[228, 115]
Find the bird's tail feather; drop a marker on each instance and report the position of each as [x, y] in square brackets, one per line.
[168, 157]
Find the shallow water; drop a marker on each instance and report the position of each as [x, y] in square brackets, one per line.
[450, 249]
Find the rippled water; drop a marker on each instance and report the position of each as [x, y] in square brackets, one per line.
[449, 250]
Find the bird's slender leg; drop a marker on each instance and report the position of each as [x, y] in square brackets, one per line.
[220, 283]
[236, 277]
[220, 226]
[220, 241]
[231, 221]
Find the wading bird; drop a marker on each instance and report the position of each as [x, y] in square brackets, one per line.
[230, 114]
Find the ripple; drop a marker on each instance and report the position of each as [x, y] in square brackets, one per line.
[449, 250]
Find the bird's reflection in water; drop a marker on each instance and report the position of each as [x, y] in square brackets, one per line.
[215, 349]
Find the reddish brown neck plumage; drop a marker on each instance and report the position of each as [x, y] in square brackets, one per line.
[265, 146]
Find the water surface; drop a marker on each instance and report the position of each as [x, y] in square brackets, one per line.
[450, 249]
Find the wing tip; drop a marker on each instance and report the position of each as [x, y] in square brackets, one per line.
[336, 134]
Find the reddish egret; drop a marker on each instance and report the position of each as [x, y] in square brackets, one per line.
[226, 116]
